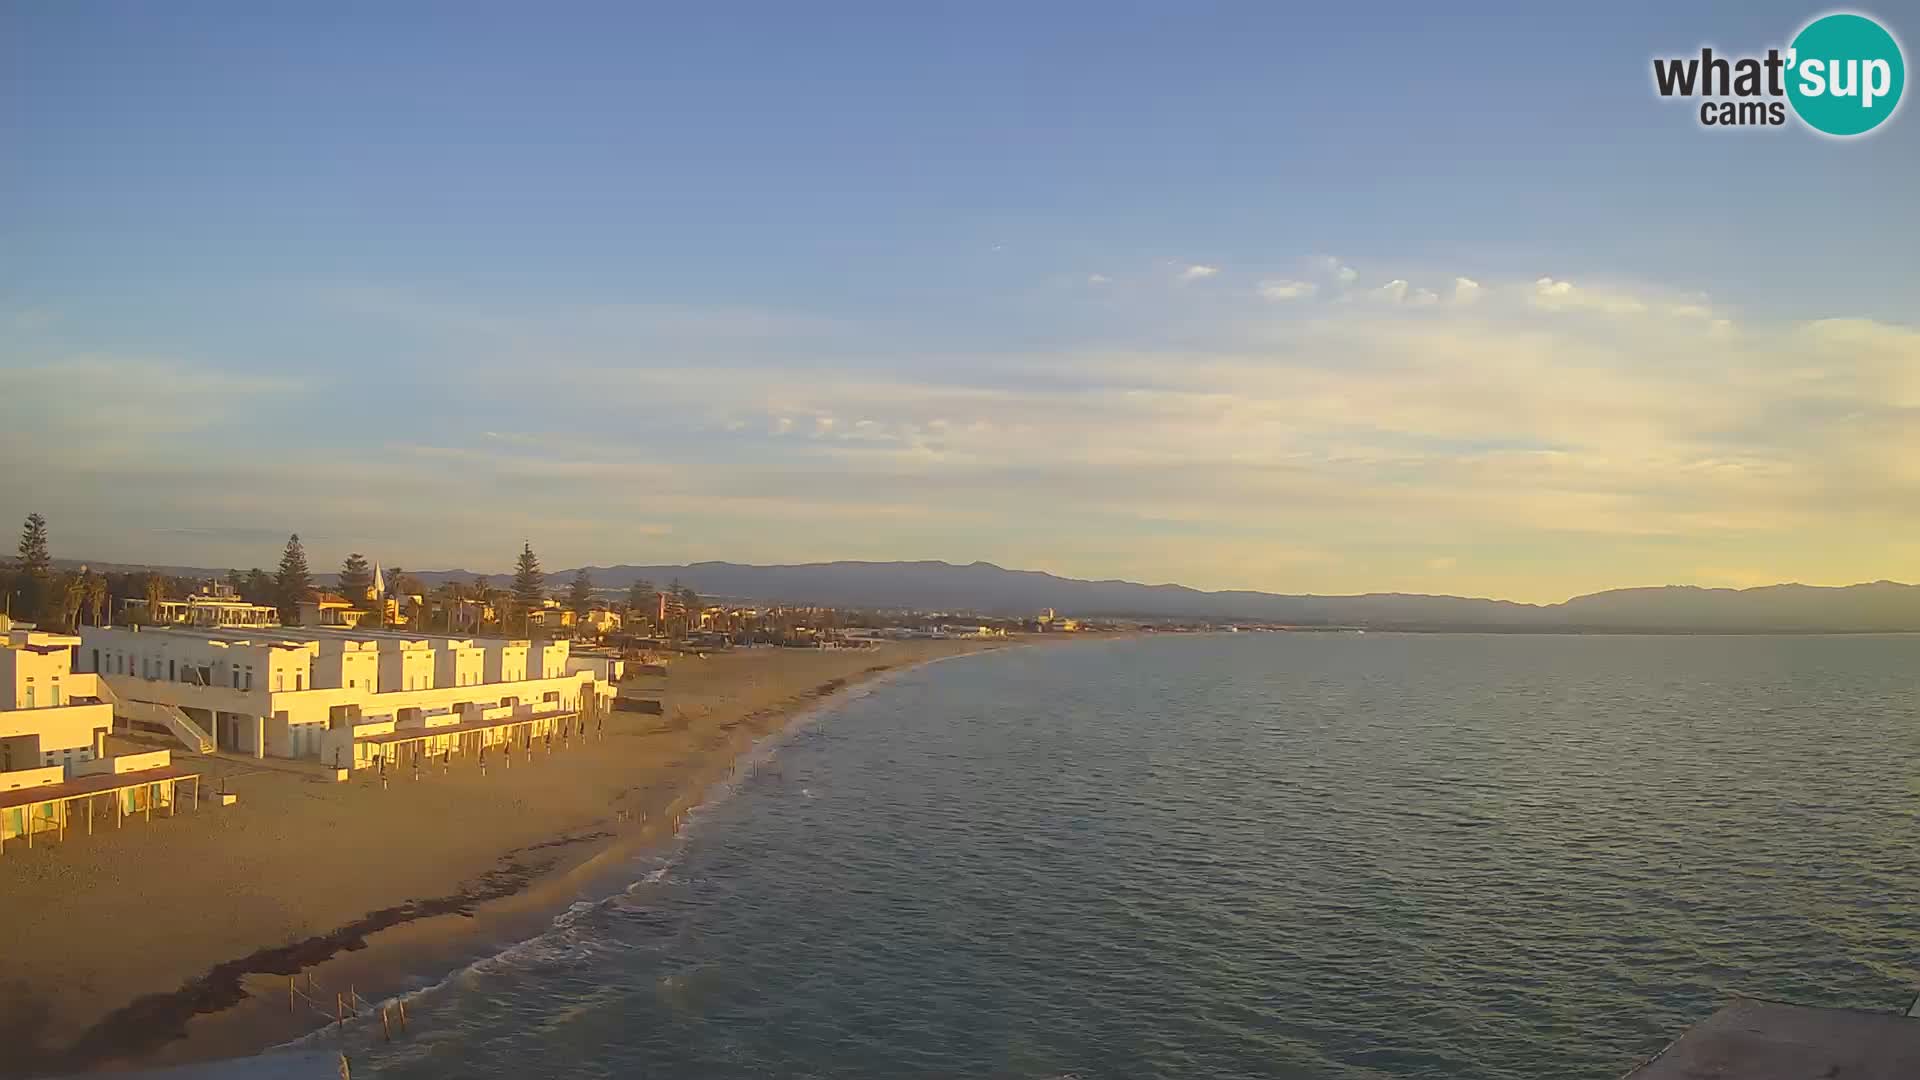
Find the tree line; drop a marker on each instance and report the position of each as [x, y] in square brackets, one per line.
[36, 592]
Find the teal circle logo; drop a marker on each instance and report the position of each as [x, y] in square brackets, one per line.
[1845, 74]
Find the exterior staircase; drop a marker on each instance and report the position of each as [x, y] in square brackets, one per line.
[152, 714]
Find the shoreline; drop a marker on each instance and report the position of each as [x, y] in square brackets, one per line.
[719, 709]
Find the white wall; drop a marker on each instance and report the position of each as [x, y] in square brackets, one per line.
[459, 664]
[547, 659]
[506, 661]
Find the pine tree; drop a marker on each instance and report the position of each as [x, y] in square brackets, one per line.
[356, 580]
[643, 601]
[35, 568]
[294, 583]
[34, 557]
[529, 584]
[580, 596]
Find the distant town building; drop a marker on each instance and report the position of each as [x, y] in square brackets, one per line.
[330, 609]
[602, 619]
[217, 605]
[1050, 621]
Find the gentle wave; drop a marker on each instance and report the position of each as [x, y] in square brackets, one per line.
[1307, 856]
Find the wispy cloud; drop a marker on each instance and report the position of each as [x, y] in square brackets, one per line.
[1287, 290]
[1198, 272]
[1638, 433]
[1342, 274]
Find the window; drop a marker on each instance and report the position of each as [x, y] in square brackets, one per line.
[56, 693]
[279, 680]
[298, 678]
[30, 693]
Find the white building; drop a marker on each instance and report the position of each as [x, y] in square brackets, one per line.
[218, 606]
[50, 716]
[322, 692]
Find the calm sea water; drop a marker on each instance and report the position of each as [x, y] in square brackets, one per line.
[1257, 855]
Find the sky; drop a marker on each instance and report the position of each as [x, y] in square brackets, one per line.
[1234, 295]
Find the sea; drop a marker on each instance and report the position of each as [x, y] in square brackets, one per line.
[1352, 856]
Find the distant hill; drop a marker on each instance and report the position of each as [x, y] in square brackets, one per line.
[992, 590]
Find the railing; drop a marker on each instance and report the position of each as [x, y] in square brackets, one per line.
[172, 719]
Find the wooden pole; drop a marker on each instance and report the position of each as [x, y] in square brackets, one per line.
[153, 792]
[289, 995]
[403, 1015]
[385, 1028]
[89, 815]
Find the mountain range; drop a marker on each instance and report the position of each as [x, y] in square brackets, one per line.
[986, 589]
[992, 590]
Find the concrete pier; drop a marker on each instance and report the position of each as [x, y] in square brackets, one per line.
[1766, 1040]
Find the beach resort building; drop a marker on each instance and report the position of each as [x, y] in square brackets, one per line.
[54, 765]
[218, 605]
[50, 716]
[346, 696]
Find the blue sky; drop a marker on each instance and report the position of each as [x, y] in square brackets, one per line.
[1169, 292]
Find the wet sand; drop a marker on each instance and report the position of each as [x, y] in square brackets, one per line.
[177, 940]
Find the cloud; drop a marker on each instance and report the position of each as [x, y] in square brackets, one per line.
[108, 398]
[1287, 290]
[1603, 434]
[1098, 279]
[1340, 272]
[1198, 272]
[1555, 295]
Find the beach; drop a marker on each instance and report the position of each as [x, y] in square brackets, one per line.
[178, 940]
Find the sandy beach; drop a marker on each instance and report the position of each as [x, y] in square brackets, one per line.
[176, 940]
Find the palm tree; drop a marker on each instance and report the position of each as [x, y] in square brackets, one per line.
[447, 596]
[97, 597]
[156, 593]
[72, 596]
